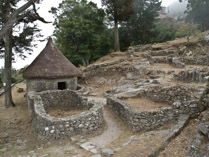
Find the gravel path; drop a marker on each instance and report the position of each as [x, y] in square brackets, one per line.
[111, 132]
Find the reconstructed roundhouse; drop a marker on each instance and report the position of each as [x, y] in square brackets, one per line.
[51, 70]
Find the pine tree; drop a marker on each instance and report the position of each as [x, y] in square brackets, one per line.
[198, 12]
[12, 20]
[79, 29]
[118, 11]
[138, 29]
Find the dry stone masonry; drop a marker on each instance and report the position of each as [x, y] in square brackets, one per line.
[185, 99]
[193, 75]
[141, 120]
[48, 127]
[179, 97]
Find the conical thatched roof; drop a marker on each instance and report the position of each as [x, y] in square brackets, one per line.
[50, 64]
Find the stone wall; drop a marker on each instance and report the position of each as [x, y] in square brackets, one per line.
[193, 75]
[39, 85]
[103, 70]
[163, 53]
[141, 120]
[185, 99]
[179, 97]
[197, 60]
[48, 127]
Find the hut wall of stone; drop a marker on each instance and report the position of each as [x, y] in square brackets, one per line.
[48, 127]
[39, 85]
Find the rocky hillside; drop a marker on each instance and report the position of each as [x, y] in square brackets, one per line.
[155, 100]
[167, 73]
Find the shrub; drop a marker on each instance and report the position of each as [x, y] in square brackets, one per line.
[188, 30]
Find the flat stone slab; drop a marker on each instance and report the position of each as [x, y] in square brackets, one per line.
[87, 146]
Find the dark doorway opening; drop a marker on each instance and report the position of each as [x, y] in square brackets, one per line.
[62, 85]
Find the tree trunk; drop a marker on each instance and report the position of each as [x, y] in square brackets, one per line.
[188, 38]
[13, 18]
[116, 37]
[7, 70]
[83, 61]
[87, 60]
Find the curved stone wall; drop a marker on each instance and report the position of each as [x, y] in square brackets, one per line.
[48, 127]
[141, 120]
[179, 98]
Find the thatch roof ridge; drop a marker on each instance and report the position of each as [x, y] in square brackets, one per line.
[50, 64]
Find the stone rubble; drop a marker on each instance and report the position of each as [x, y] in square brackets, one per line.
[107, 152]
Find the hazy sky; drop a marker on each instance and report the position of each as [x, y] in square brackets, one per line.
[47, 30]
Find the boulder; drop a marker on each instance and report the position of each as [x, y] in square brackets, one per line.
[107, 152]
[146, 55]
[176, 105]
[204, 128]
[177, 63]
[206, 38]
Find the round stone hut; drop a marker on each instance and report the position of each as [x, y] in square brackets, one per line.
[51, 70]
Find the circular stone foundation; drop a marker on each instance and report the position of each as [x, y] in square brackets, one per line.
[88, 119]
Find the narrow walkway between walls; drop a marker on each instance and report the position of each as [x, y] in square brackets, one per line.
[112, 129]
[111, 132]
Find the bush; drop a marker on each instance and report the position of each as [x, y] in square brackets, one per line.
[22, 70]
[163, 33]
[14, 79]
[188, 30]
[17, 80]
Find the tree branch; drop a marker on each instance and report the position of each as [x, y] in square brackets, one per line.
[36, 16]
[15, 17]
[30, 17]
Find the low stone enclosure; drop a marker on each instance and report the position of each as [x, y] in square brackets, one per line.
[193, 75]
[180, 99]
[48, 127]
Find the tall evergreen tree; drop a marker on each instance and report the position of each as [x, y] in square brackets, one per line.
[138, 29]
[198, 13]
[79, 29]
[118, 11]
[12, 19]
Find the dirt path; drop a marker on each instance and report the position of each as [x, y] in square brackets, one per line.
[111, 132]
[101, 100]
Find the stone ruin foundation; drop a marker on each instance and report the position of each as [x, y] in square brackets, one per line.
[179, 98]
[193, 75]
[49, 127]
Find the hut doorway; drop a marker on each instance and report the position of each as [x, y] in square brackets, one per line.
[62, 85]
